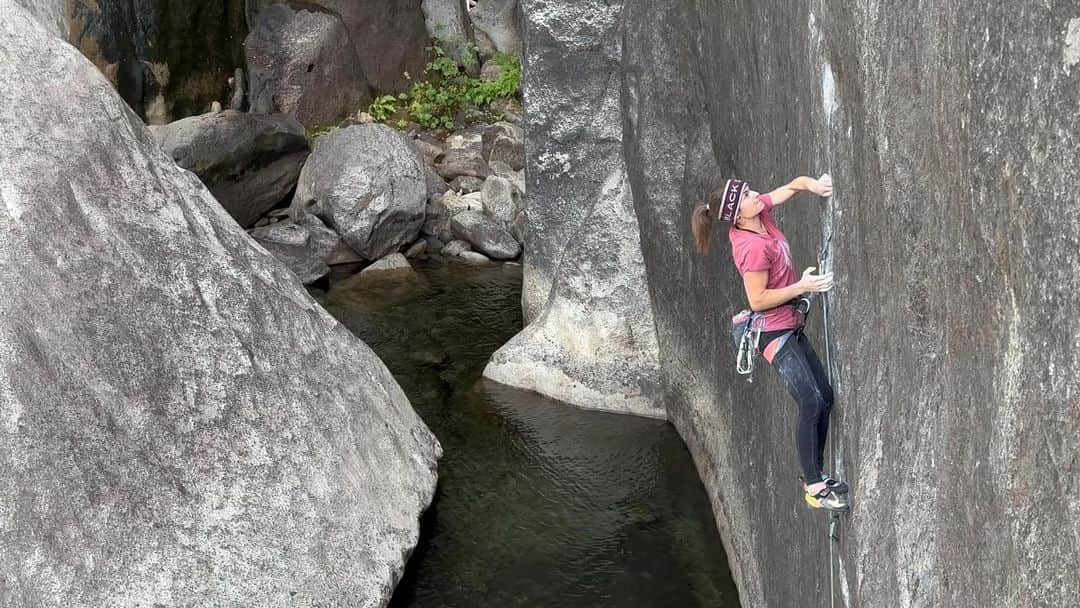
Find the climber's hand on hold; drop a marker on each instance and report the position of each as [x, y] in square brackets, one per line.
[822, 186]
[811, 282]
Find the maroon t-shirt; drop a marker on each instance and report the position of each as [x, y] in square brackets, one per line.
[770, 251]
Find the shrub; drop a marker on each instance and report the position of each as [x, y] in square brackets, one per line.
[446, 92]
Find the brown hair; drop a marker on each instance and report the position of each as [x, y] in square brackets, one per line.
[701, 222]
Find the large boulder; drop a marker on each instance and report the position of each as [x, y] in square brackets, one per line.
[367, 182]
[389, 35]
[250, 162]
[180, 423]
[485, 234]
[497, 26]
[168, 59]
[302, 62]
[52, 14]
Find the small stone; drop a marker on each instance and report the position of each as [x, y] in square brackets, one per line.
[500, 199]
[453, 248]
[286, 232]
[364, 118]
[467, 184]
[485, 234]
[473, 257]
[416, 249]
[215, 107]
[393, 262]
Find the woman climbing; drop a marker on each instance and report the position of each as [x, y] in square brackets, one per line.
[763, 258]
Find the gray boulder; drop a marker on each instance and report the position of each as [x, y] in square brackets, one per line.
[448, 21]
[485, 234]
[395, 262]
[388, 36]
[367, 183]
[249, 162]
[308, 267]
[52, 14]
[473, 257]
[504, 142]
[434, 182]
[499, 22]
[467, 184]
[182, 425]
[500, 199]
[462, 161]
[455, 247]
[302, 62]
[306, 248]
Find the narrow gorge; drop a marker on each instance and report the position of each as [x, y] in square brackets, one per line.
[182, 422]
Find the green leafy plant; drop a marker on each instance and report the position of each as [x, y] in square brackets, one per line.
[447, 92]
[383, 107]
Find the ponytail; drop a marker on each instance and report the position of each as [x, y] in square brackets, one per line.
[701, 222]
[701, 227]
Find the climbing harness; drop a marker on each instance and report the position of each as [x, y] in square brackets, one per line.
[746, 328]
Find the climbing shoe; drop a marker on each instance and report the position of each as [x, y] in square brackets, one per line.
[836, 486]
[826, 499]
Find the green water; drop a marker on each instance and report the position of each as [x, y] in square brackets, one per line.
[539, 504]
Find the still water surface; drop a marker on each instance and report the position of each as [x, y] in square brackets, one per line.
[539, 504]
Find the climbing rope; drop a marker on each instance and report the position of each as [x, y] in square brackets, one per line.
[823, 261]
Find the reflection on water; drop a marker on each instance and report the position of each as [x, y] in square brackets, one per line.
[539, 504]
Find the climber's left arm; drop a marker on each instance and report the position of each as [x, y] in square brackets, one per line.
[820, 187]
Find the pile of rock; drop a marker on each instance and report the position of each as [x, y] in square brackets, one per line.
[481, 215]
[366, 191]
[371, 197]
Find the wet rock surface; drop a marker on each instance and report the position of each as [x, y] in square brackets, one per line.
[168, 59]
[250, 162]
[182, 424]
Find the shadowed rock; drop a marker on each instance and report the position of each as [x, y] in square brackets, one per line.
[180, 423]
[250, 162]
[389, 35]
[303, 63]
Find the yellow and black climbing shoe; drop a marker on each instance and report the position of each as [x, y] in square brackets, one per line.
[836, 486]
[826, 499]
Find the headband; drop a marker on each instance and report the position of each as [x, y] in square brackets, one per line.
[733, 196]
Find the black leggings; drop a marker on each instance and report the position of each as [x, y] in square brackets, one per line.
[808, 384]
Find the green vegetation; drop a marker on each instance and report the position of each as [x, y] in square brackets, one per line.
[447, 94]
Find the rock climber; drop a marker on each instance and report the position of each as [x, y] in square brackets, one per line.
[763, 258]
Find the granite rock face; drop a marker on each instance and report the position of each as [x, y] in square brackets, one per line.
[180, 423]
[367, 183]
[950, 132]
[303, 63]
[591, 339]
[250, 162]
[448, 21]
[168, 59]
[389, 35]
[498, 26]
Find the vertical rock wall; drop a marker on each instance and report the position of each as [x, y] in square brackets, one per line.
[591, 338]
[168, 58]
[951, 132]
